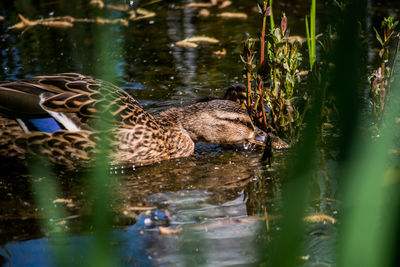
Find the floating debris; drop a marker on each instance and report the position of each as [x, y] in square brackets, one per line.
[233, 15]
[192, 42]
[122, 8]
[169, 231]
[201, 39]
[140, 208]
[67, 201]
[305, 257]
[186, 44]
[97, 3]
[1, 18]
[225, 4]
[200, 5]
[204, 13]
[143, 14]
[62, 22]
[319, 217]
[220, 52]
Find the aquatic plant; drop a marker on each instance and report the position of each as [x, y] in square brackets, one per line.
[271, 102]
[381, 78]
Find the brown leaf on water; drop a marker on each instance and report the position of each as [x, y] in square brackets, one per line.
[169, 231]
[97, 3]
[68, 201]
[1, 18]
[201, 39]
[220, 52]
[111, 21]
[186, 44]
[62, 22]
[225, 4]
[233, 15]
[143, 14]
[62, 200]
[118, 7]
[319, 217]
[57, 24]
[199, 5]
[204, 13]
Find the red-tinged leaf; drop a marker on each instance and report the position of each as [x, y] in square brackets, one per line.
[283, 25]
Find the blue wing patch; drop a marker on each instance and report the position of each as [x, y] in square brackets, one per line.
[47, 125]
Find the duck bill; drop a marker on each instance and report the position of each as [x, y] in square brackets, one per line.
[260, 137]
[256, 142]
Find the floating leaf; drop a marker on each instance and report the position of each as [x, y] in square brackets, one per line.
[186, 44]
[220, 52]
[199, 5]
[204, 13]
[143, 14]
[169, 231]
[225, 4]
[235, 15]
[63, 22]
[97, 3]
[201, 39]
[118, 7]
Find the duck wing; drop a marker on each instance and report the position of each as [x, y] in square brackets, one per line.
[72, 99]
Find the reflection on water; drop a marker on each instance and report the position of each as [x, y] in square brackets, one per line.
[219, 196]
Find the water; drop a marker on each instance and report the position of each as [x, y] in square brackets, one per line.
[218, 196]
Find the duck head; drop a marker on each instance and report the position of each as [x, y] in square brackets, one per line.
[215, 121]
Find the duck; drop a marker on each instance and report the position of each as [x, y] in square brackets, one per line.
[55, 116]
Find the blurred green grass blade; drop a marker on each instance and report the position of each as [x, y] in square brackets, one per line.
[107, 51]
[369, 207]
[46, 191]
[295, 195]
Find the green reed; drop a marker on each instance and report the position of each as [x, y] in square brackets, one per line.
[310, 30]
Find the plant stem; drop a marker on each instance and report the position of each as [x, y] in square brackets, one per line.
[271, 17]
[262, 38]
[261, 90]
[249, 100]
